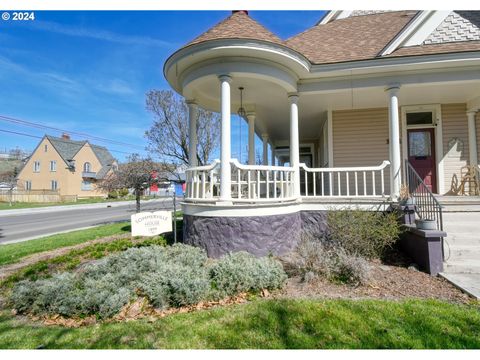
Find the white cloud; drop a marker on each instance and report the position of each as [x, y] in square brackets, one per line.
[99, 34]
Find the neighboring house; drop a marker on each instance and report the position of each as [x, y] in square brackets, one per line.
[66, 166]
[345, 104]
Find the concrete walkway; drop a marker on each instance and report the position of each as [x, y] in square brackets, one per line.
[461, 221]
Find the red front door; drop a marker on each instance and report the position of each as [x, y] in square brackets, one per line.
[421, 154]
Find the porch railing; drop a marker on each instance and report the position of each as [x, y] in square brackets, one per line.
[427, 206]
[262, 182]
[366, 181]
[203, 182]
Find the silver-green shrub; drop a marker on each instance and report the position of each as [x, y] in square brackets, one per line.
[171, 276]
[241, 271]
[315, 258]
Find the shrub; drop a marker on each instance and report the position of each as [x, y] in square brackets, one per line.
[313, 258]
[241, 271]
[177, 275]
[123, 192]
[363, 233]
[112, 194]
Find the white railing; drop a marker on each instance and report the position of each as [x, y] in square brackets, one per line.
[251, 183]
[343, 182]
[203, 182]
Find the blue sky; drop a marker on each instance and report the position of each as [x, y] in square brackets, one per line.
[89, 71]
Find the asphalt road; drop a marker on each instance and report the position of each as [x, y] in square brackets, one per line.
[21, 227]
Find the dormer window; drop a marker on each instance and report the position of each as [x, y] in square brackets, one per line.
[87, 167]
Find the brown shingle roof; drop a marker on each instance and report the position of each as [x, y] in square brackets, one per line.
[350, 39]
[239, 25]
[442, 48]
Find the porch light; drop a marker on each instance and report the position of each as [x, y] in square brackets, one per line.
[241, 111]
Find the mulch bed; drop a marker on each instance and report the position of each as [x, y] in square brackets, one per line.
[394, 278]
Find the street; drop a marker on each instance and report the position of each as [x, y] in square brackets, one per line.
[31, 225]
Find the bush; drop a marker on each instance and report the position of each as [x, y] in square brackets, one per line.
[123, 192]
[112, 194]
[171, 276]
[313, 258]
[241, 271]
[362, 233]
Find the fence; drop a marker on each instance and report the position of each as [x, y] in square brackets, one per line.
[35, 196]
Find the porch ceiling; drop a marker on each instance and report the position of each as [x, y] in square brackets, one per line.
[270, 102]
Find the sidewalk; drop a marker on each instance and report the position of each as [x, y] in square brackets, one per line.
[47, 209]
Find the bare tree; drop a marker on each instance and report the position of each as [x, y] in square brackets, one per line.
[168, 136]
[135, 174]
[9, 178]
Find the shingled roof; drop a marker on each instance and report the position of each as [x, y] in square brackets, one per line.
[68, 148]
[239, 25]
[353, 38]
[361, 36]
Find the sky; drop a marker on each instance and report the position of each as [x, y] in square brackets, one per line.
[88, 71]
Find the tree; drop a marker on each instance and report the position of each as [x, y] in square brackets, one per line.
[168, 136]
[9, 178]
[135, 174]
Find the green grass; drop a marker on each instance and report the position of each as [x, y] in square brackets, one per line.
[73, 258]
[270, 324]
[24, 205]
[13, 252]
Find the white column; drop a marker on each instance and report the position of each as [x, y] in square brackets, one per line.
[225, 145]
[472, 138]
[265, 149]
[394, 141]
[272, 147]
[294, 143]
[251, 138]
[192, 132]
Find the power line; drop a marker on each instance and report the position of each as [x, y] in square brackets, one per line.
[40, 126]
[41, 137]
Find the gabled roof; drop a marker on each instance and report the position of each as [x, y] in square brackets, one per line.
[349, 39]
[441, 48]
[68, 148]
[239, 25]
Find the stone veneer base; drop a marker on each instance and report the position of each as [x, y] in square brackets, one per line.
[258, 235]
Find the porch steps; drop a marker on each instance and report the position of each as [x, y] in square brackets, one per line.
[462, 244]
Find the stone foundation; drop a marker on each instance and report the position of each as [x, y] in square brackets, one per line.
[259, 235]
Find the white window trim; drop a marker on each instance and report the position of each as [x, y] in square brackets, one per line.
[436, 110]
[54, 167]
[35, 170]
[27, 187]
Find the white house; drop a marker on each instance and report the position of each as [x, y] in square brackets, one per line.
[356, 106]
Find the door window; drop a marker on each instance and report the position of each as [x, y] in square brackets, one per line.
[420, 143]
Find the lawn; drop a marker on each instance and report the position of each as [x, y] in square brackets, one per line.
[267, 324]
[13, 252]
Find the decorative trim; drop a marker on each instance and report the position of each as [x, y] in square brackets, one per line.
[281, 209]
[436, 110]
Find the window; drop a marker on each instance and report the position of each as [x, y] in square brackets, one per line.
[86, 167]
[36, 166]
[86, 185]
[53, 165]
[46, 147]
[420, 144]
[54, 185]
[28, 185]
[420, 118]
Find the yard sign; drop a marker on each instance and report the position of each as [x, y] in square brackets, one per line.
[151, 223]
